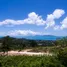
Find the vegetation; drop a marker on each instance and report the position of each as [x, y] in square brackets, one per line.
[62, 56]
[35, 61]
[62, 42]
[5, 44]
[29, 61]
[16, 43]
[58, 47]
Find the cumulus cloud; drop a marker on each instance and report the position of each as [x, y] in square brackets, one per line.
[33, 18]
[50, 21]
[11, 22]
[25, 33]
[58, 13]
[62, 26]
[64, 23]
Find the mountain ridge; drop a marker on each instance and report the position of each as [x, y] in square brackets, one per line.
[41, 37]
[38, 37]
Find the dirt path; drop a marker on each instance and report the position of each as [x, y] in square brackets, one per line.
[25, 52]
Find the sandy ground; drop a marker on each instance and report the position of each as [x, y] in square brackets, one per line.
[25, 52]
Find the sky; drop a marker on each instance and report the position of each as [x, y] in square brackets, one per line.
[33, 17]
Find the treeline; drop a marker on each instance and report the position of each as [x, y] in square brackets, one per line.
[20, 43]
[10, 43]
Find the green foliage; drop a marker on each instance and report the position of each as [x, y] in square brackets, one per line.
[29, 61]
[59, 48]
[33, 43]
[20, 43]
[62, 56]
[6, 44]
[62, 42]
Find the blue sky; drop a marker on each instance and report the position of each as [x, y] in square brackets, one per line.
[33, 17]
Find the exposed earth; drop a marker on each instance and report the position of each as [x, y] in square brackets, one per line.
[26, 52]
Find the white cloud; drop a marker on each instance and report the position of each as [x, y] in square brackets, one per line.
[64, 23]
[25, 33]
[33, 18]
[62, 26]
[11, 22]
[50, 21]
[58, 13]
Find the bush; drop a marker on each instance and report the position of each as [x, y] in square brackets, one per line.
[62, 56]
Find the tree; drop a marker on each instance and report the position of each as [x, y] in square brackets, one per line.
[33, 43]
[62, 42]
[6, 44]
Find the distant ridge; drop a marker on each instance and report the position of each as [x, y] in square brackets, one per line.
[38, 37]
[41, 37]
